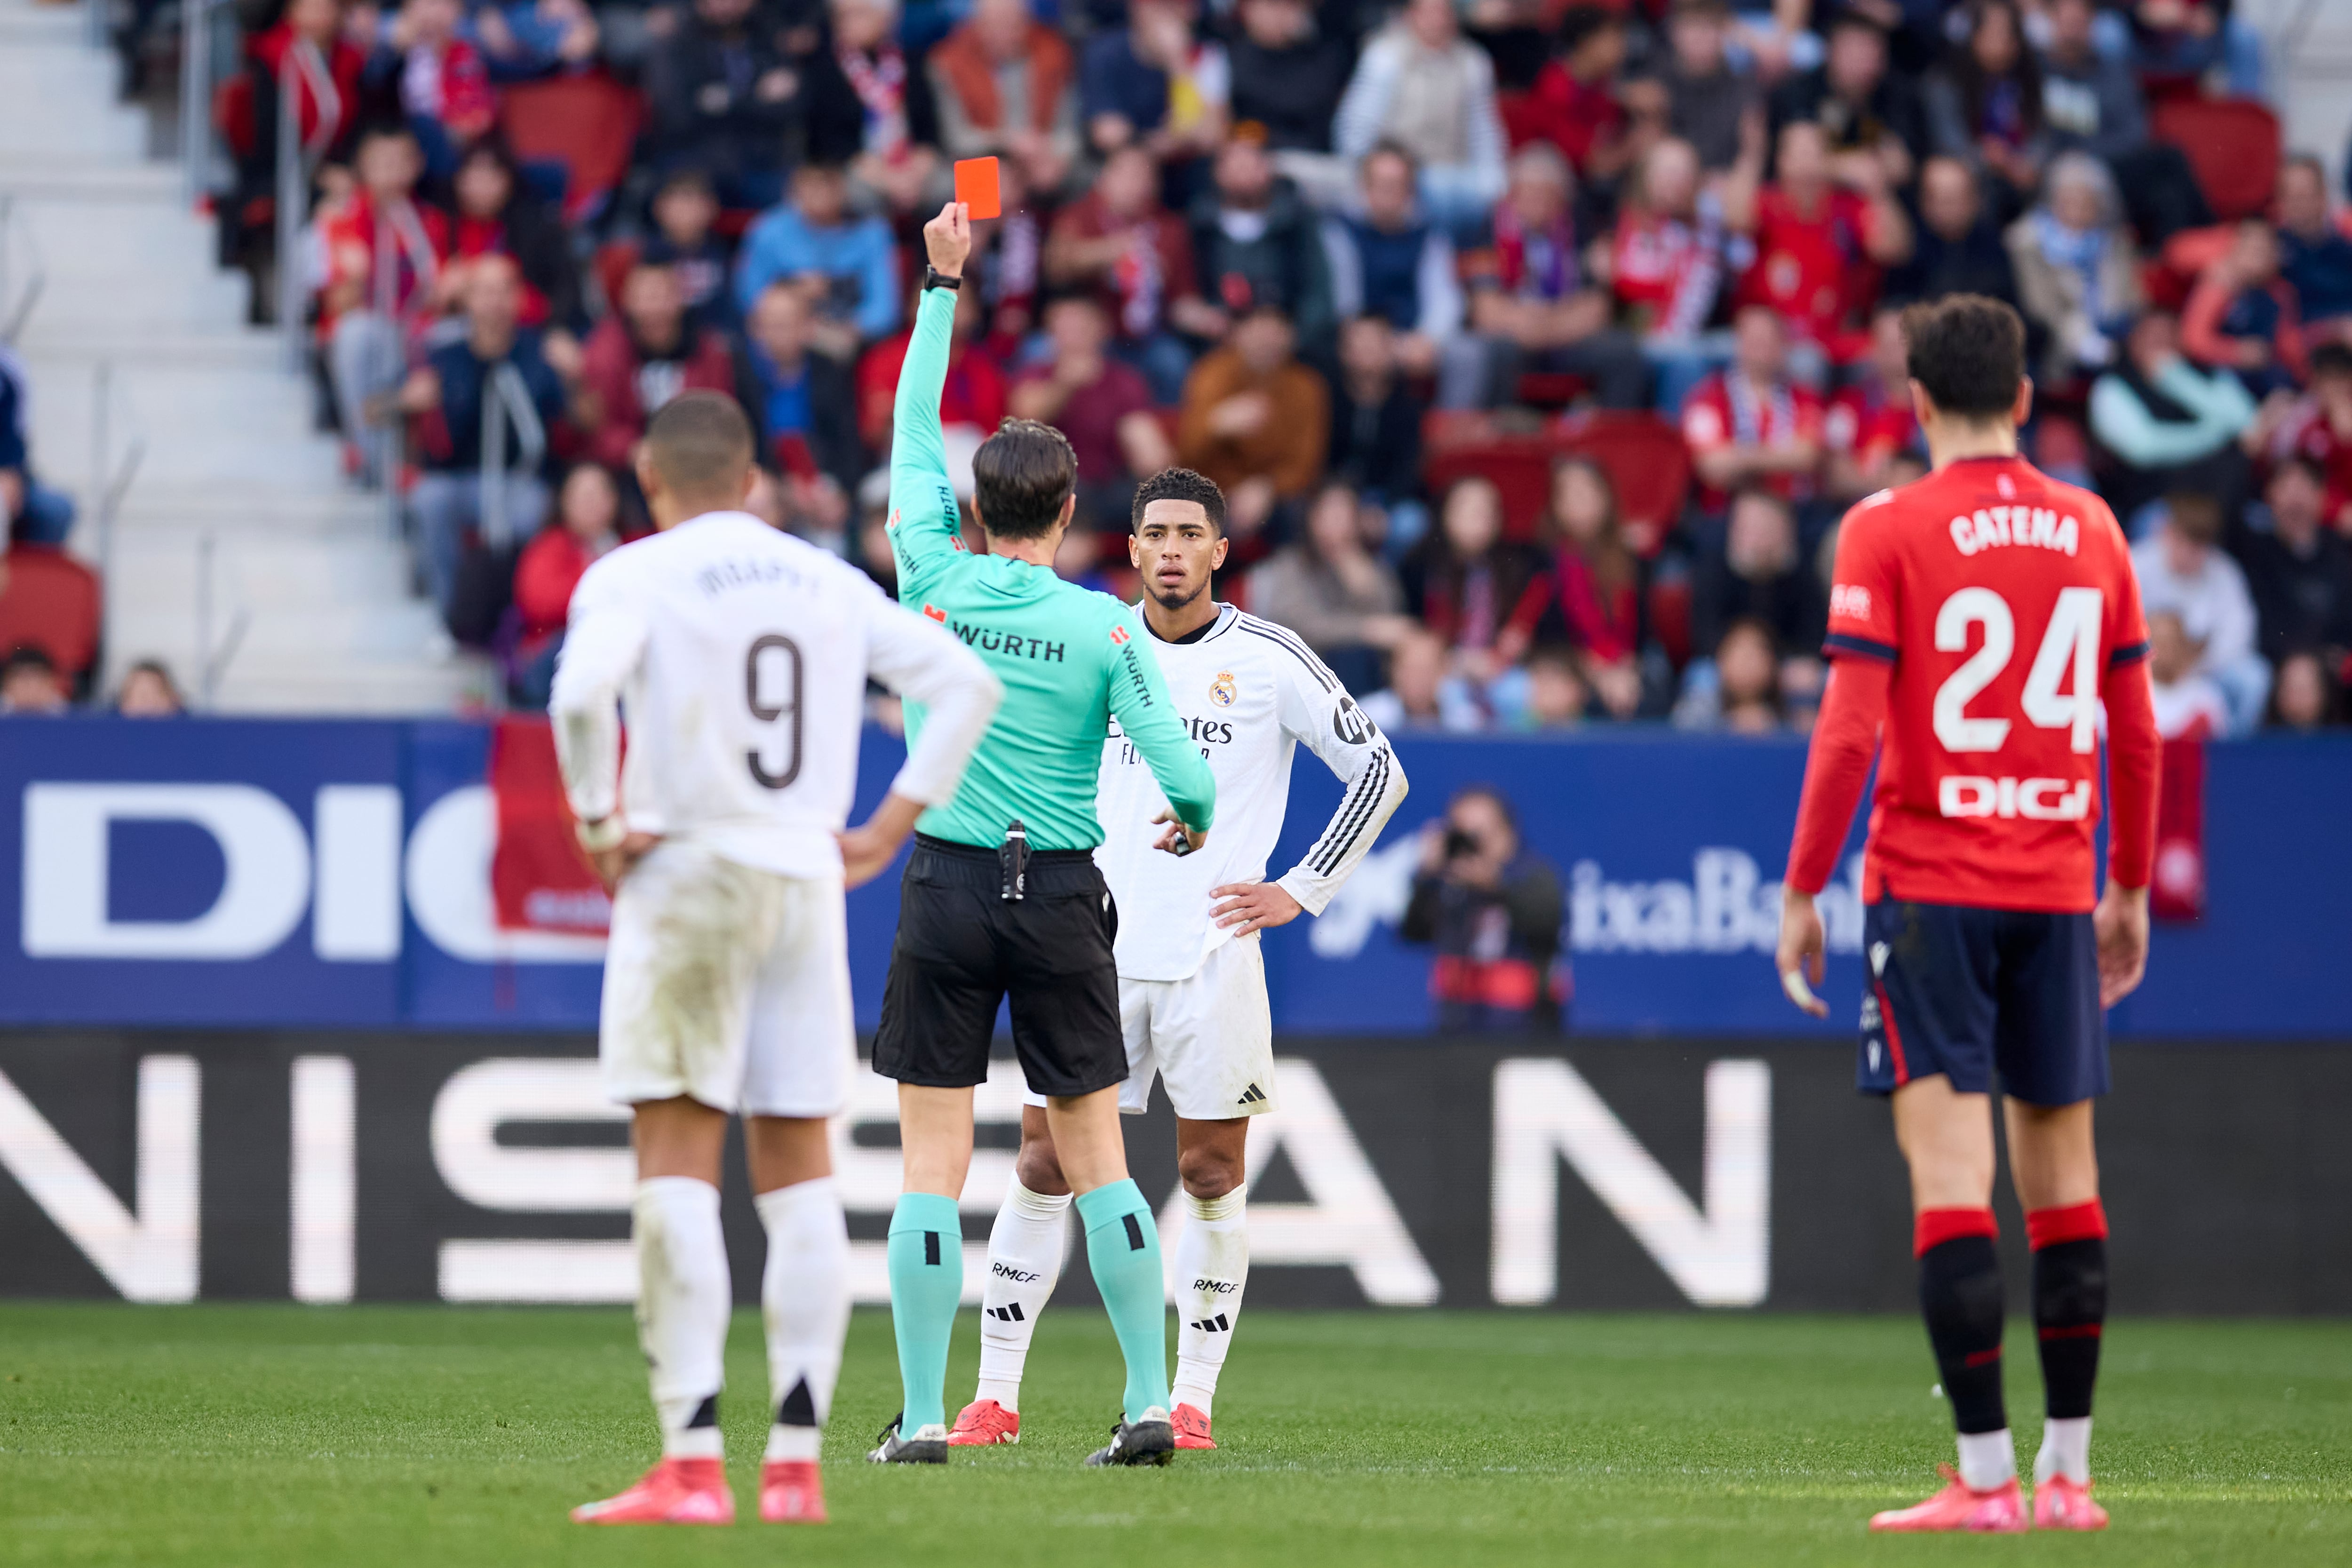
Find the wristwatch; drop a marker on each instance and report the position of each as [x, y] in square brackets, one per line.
[935, 279]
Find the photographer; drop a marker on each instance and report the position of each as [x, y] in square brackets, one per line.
[1492, 907]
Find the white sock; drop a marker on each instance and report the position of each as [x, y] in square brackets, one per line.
[805, 1301]
[2065, 1450]
[1211, 1267]
[1024, 1260]
[683, 1299]
[1987, 1459]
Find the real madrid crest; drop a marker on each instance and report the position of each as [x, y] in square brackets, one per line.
[1223, 690]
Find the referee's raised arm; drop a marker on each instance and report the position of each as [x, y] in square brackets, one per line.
[924, 517]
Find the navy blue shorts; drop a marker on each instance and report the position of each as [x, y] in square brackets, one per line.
[1963, 990]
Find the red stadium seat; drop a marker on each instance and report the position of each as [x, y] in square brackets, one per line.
[51, 602]
[1646, 461]
[1643, 456]
[587, 123]
[1518, 461]
[2233, 144]
[1547, 389]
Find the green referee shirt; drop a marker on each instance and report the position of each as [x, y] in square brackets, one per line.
[1071, 659]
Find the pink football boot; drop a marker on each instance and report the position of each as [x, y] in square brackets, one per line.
[676, 1491]
[2001, 1511]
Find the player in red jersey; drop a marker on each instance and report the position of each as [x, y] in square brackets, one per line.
[1979, 616]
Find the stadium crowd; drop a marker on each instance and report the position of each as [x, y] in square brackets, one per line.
[1421, 287]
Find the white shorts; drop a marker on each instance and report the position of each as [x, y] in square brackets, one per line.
[729, 984]
[1209, 1037]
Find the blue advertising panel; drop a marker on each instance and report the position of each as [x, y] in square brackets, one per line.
[315, 873]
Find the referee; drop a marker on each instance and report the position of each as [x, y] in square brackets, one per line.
[1002, 896]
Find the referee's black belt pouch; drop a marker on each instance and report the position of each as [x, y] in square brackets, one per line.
[1052, 872]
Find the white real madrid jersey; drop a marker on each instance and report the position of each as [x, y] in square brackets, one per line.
[740, 657]
[1248, 692]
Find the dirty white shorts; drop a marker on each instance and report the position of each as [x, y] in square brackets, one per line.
[727, 983]
[1209, 1037]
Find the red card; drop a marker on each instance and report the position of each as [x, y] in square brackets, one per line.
[975, 186]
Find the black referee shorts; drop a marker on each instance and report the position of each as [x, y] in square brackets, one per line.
[962, 948]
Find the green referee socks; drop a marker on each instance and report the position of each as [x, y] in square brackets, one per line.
[1123, 1250]
[925, 1282]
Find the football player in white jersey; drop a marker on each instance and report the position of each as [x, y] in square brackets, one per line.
[741, 655]
[1191, 986]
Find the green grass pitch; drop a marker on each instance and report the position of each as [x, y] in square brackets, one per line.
[428, 1437]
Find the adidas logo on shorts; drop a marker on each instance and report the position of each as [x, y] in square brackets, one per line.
[1253, 1095]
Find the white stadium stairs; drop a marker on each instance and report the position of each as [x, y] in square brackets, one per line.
[236, 523]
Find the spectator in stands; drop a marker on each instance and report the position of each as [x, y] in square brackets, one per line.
[1155, 83]
[1288, 74]
[1984, 103]
[1597, 585]
[1493, 910]
[1419, 84]
[2306, 696]
[1481, 592]
[326, 48]
[2077, 273]
[384, 251]
[1667, 260]
[2315, 255]
[870, 107]
[2188, 705]
[642, 356]
[1574, 104]
[971, 402]
[1102, 406]
[1957, 248]
[1376, 430]
[2182, 569]
[1756, 570]
[1815, 227]
[2091, 102]
[2243, 316]
[2165, 422]
[1258, 423]
[588, 528]
[1256, 242]
[1752, 423]
[1870, 424]
[1740, 691]
[1554, 695]
[522, 39]
[1423, 693]
[443, 85]
[684, 208]
[805, 405]
[29, 510]
[1530, 306]
[1006, 85]
[1137, 256]
[1387, 260]
[148, 691]
[497, 216]
[1332, 589]
[30, 683]
[1864, 110]
[2189, 37]
[847, 262]
[483, 404]
[1705, 101]
[2298, 570]
[723, 97]
[2320, 426]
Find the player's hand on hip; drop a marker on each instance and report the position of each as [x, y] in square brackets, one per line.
[2120, 924]
[1800, 953]
[618, 861]
[947, 239]
[1174, 833]
[1252, 906]
[867, 849]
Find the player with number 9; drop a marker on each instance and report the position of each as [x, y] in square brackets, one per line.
[1978, 619]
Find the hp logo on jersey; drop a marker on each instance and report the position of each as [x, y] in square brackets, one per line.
[1351, 723]
[1222, 690]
